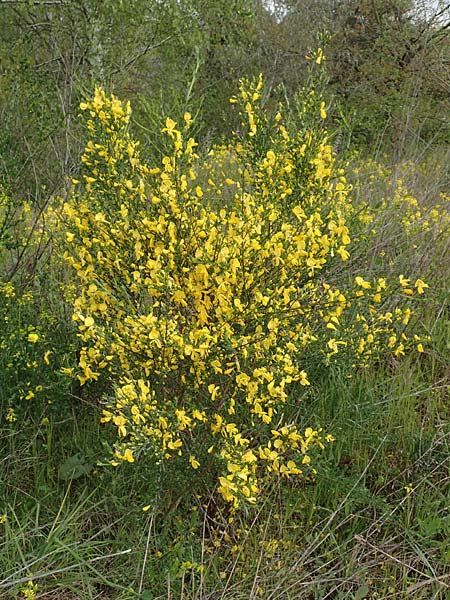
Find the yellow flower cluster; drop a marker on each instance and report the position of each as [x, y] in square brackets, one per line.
[203, 288]
[20, 352]
[29, 590]
[29, 327]
[395, 198]
[368, 323]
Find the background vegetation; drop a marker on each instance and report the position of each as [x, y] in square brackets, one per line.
[372, 519]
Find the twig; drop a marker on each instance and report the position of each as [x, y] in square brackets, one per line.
[141, 54]
[150, 525]
[361, 540]
[420, 584]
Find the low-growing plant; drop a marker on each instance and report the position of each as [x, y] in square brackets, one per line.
[209, 286]
[35, 340]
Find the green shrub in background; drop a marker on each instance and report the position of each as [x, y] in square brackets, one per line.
[34, 339]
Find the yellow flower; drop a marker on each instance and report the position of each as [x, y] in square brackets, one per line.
[29, 592]
[170, 126]
[320, 57]
[187, 118]
[420, 285]
[120, 423]
[10, 415]
[213, 390]
[32, 338]
[362, 283]
[304, 378]
[200, 416]
[127, 455]
[116, 108]
[194, 462]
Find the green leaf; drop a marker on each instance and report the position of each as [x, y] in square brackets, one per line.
[74, 467]
[434, 525]
[361, 592]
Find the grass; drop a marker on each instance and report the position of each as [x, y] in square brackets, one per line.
[377, 517]
[375, 523]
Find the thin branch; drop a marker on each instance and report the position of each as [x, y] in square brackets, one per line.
[141, 54]
[408, 566]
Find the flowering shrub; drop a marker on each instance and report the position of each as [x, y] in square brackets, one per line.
[206, 289]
